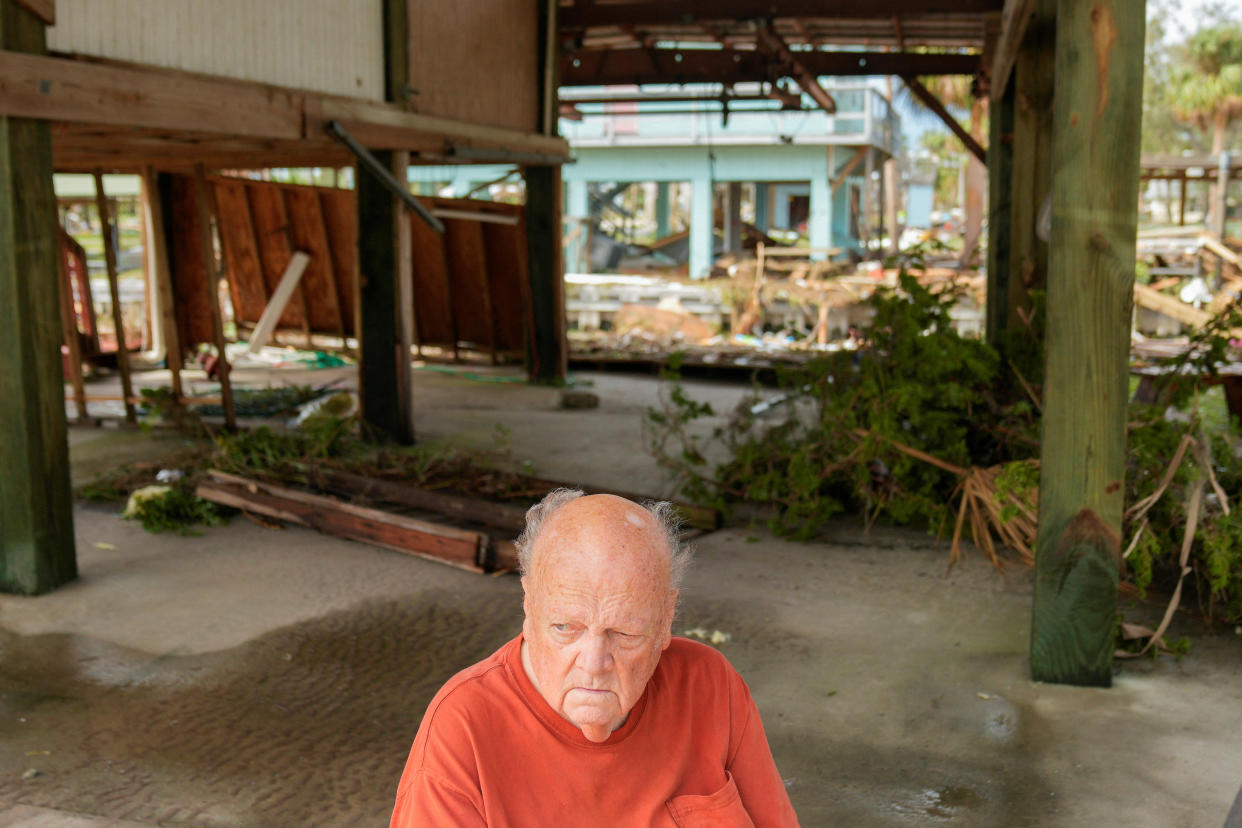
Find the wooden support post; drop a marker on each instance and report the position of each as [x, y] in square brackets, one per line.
[1000, 210]
[384, 371]
[547, 347]
[69, 333]
[1181, 202]
[404, 306]
[733, 217]
[547, 352]
[114, 291]
[36, 503]
[203, 199]
[157, 233]
[1095, 151]
[1032, 158]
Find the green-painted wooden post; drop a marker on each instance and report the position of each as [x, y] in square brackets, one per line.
[36, 504]
[1095, 162]
[547, 347]
[384, 385]
[1000, 204]
[1032, 157]
[383, 370]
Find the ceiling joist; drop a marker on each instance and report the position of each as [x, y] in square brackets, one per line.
[665, 66]
[770, 42]
[671, 12]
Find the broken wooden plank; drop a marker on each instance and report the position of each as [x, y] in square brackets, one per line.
[489, 513]
[457, 547]
[280, 298]
[118, 321]
[1170, 306]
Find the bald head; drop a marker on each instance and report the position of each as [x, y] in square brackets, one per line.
[611, 530]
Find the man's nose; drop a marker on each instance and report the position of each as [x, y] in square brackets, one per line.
[595, 656]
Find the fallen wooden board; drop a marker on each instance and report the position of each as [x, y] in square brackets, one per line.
[487, 512]
[456, 547]
[280, 297]
[1170, 306]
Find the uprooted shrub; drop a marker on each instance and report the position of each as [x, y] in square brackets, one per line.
[921, 423]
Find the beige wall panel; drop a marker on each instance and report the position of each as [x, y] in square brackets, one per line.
[475, 61]
[333, 46]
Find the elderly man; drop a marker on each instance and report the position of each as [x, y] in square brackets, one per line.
[595, 715]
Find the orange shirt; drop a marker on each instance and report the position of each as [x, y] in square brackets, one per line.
[692, 752]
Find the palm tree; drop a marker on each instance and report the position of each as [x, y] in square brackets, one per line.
[1206, 87]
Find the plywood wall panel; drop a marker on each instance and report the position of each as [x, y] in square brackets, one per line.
[467, 264]
[476, 61]
[324, 45]
[188, 266]
[307, 230]
[505, 248]
[273, 234]
[433, 298]
[341, 223]
[241, 253]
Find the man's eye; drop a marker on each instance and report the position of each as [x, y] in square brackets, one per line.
[561, 628]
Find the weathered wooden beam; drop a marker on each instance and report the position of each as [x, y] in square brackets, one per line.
[59, 89]
[1014, 20]
[933, 103]
[37, 551]
[678, 12]
[1032, 86]
[197, 111]
[203, 200]
[384, 414]
[444, 544]
[114, 292]
[769, 41]
[486, 512]
[157, 184]
[547, 344]
[1095, 161]
[547, 350]
[731, 66]
[1000, 213]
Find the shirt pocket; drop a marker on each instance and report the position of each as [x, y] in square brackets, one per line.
[722, 809]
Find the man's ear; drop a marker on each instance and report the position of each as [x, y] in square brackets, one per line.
[669, 614]
[526, 606]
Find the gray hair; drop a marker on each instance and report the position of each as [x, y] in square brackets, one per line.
[664, 512]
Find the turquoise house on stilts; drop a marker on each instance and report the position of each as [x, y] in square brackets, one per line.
[807, 168]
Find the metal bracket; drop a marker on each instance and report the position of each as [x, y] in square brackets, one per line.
[385, 176]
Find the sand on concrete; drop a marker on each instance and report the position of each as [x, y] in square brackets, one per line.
[254, 676]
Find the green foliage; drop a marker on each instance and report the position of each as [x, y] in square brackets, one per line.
[177, 510]
[831, 444]
[916, 383]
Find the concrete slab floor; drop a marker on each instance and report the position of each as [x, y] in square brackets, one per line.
[255, 677]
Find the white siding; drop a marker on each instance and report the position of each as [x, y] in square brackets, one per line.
[333, 46]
